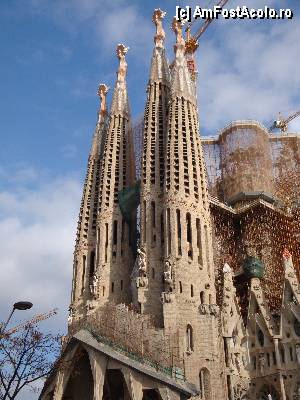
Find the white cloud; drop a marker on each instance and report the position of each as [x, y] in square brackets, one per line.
[248, 71]
[37, 234]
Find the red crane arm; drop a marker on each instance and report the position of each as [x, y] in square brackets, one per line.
[207, 22]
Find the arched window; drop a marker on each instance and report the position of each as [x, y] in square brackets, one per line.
[189, 338]
[204, 384]
[260, 337]
[202, 297]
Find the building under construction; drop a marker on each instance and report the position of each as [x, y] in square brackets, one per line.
[185, 281]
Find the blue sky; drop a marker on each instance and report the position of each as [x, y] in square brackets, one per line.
[54, 53]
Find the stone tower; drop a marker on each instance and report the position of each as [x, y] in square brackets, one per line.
[114, 255]
[189, 298]
[152, 173]
[85, 246]
[104, 245]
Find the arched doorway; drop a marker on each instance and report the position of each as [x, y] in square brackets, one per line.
[114, 386]
[80, 384]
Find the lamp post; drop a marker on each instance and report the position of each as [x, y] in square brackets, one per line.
[20, 305]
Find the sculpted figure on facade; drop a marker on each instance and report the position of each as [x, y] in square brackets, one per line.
[141, 260]
[262, 363]
[168, 275]
[139, 272]
[94, 285]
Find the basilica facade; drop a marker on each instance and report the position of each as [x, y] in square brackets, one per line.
[185, 279]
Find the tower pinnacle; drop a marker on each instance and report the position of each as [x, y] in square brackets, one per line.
[181, 78]
[122, 70]
[120, 100]
[157, 18]
[179, 46]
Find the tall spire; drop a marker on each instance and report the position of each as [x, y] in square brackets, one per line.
[114, 258]
[152, 170]
[159, 64]
[188, 273]
[86, 231]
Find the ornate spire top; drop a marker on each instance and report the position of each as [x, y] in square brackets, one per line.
[179, 47]
[122, 70]
[157, 18]
[102, 92]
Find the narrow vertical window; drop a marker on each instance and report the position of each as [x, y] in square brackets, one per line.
[83, 273]
[178, 232]
[189, 234]
[115, 233]
[121, 285]
[75, 279]
[189, 338]
[188, 228]
[169, 231]
[198, 229]
[92, 264]
[153, 222]
[162, 230]
[103, 290]
[112, 287]
[153, 214]
[106, 241]
[180, 287]
[192, 291]
[144, 220]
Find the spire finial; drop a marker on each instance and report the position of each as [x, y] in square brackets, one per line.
[180, 42]
[102, 92]
[158, 16]
[121, 52]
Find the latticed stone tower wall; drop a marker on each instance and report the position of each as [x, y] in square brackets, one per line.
[115, 254]
[85, 247]
[189, 298]
[152, 172]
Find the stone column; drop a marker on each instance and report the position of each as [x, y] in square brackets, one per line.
[98, 366]
[64, 374]
[134, 386]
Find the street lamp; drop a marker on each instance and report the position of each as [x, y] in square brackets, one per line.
[20, 305]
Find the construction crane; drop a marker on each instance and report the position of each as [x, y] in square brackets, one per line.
[33, 321]
[282, 123]
[191, 43]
